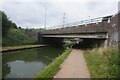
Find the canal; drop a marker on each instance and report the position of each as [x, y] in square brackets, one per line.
[27, 63]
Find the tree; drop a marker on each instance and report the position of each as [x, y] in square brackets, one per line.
[14, 26]
[6, 23]
[19, 27]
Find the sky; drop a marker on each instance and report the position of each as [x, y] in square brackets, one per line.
[31, 13]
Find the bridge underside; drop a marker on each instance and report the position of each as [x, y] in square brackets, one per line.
[91, 42]
[93, 39]
[86, 35]
[51, 41]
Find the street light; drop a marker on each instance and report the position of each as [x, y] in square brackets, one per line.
[45, 18]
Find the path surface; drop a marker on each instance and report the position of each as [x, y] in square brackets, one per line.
[74, 66]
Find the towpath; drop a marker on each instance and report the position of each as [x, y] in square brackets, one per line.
[74, 66]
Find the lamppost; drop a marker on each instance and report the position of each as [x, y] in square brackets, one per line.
[45, 18]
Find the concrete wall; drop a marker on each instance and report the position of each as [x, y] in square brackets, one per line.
[31, 33]
[90, 28]
[113, 30]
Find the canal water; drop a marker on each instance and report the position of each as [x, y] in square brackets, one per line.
[27, 63]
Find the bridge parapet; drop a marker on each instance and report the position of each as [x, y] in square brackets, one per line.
[84, 22]
[88, 28]
[100, 24]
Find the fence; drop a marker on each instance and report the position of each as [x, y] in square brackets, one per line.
[84, 22]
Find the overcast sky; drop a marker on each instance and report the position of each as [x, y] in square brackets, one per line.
[31, 13]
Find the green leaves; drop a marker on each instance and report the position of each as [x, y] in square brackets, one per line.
[7, 24]
[17, 37]
[102, 63]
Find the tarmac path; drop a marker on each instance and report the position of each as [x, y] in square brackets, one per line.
[74, 66]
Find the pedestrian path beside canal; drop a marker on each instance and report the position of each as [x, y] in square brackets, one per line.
[74, 66]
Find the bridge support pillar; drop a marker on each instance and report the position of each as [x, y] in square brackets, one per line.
[105, 43]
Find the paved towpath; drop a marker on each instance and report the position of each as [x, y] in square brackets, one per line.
[74, 66]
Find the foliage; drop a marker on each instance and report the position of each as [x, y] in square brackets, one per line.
[11, 35]
[17, 37]
[13, 25]
[52, 68]
[68, 43]
[102, 63]
[6, 23]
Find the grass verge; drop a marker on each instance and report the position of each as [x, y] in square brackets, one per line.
[52, 68]
[103, 62]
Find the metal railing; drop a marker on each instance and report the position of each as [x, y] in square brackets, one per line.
[84, 22]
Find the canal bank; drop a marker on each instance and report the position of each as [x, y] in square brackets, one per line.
[14, 48]
[54, 67]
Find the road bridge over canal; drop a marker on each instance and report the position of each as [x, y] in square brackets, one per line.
[102, 30]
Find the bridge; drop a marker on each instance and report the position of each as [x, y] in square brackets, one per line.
[101, 31]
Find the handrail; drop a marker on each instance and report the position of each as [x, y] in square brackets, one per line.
[84, 22]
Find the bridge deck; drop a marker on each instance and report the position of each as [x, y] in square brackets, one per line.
[90, 35]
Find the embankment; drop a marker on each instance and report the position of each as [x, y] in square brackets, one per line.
[14, 48]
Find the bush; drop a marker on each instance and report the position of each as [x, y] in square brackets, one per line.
[102, 63]
[17, 37]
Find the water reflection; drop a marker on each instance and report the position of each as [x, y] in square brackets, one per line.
[27, 63]
[21, 69]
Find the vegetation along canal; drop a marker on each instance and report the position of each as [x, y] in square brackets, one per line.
[27, 63]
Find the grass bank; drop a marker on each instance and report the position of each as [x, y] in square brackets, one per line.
[53, 68]
[103, 62]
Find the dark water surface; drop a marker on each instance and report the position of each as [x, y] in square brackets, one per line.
[27, 63]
